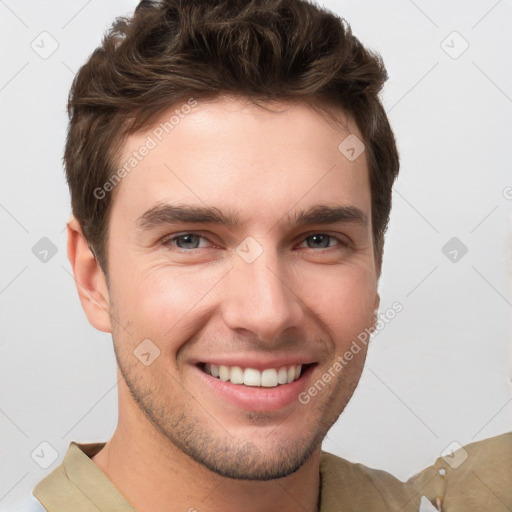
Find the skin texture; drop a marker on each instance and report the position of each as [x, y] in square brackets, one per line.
[178, 444]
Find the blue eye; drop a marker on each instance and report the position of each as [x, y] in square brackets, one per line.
[187, 242]
[322, 241]
[190, 241]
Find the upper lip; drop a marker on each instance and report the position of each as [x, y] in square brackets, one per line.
[256, 362]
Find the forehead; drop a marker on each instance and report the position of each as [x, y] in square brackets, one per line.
[230, 153]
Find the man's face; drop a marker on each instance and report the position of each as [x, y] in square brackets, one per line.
[262, 293]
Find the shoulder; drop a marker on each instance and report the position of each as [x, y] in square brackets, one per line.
[348, 486]
[475, 477]
[479, 475]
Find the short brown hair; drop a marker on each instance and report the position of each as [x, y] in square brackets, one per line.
[268, 50]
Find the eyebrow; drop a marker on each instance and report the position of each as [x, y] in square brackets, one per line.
[174, 213]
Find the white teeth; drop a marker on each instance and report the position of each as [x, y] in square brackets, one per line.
[223, 372]
[252, 377]
[282, 375]
[236, 375]
[269, 378]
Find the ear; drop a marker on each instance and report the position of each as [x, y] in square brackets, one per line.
[376, 305]
[89, 278]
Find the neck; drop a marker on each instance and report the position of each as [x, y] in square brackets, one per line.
[155, 476]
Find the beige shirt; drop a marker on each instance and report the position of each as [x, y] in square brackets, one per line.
[477, 477]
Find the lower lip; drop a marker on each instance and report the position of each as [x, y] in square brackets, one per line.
[254, 399]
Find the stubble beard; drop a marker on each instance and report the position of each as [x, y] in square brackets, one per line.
[209, 442]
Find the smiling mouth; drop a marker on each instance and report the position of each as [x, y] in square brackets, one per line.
[268, 378]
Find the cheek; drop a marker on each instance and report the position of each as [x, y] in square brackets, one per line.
[344, 299]
[167, 304]
[162, 302]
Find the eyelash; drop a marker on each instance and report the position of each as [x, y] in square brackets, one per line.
[167, 242]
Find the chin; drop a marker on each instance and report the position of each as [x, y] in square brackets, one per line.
[251, 463]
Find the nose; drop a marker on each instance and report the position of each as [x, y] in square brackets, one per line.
[261, 297]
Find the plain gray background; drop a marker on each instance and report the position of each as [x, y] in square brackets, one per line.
[439, 373]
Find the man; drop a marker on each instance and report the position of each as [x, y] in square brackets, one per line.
[255, 130]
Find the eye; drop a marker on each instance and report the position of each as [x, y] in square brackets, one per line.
[185, 241]
[322, 241]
